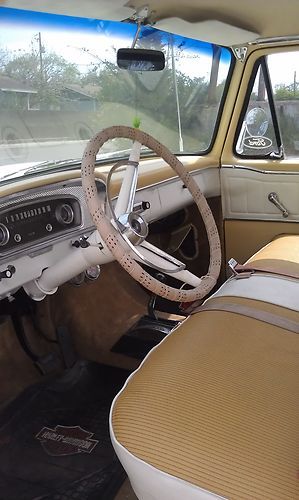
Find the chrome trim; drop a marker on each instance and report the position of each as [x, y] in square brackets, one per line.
[120, 226]
[68, 188]
[273, 198]
[70, 213]
[160, 253]
[164, 182]
[258, 170]
[122, 163]
[144, 260]
[6, 235]
[274, 40]
[61, 187]
[132, 190]
[259, 219]
[240, 53]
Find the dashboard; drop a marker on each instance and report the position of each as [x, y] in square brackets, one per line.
[38, 227]
[36, 220]
[44, 226]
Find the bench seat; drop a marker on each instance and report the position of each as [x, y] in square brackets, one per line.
[213, 411]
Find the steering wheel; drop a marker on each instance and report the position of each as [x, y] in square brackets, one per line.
[125, 230]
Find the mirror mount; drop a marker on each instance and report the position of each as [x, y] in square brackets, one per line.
[140, 17]
[139, 24]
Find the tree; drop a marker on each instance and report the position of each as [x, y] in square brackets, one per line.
[4, 58]
[47, 78]
[287, 92]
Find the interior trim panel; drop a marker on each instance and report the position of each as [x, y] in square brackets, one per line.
[245, 194]
[23, 205]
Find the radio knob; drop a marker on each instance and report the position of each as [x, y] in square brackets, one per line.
[4, 235]
[64, 214]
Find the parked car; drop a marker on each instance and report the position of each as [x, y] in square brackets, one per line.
[149, 246]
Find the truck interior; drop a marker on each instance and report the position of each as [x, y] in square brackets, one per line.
[149, 250]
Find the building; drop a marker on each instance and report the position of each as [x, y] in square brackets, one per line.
[17, 95]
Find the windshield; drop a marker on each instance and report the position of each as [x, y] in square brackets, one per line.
[59, 85]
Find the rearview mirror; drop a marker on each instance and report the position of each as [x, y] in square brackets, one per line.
[140, 59]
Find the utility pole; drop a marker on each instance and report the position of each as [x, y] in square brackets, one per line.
[261, 91]
[212, 99]
[40, 50]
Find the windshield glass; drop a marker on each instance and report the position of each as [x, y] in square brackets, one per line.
[60, 84]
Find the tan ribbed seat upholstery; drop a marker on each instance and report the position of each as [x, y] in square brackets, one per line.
[213, 412]
[281, 254]
[216, 406]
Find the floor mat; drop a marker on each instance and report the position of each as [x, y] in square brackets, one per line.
[54, 438]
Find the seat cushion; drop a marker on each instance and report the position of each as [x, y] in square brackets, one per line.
[281, 254]
[216, 405]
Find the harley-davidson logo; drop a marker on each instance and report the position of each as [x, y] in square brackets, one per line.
[63, 440]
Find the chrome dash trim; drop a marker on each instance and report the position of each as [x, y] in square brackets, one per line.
[259, 171]
[275, 40]
[68, 188]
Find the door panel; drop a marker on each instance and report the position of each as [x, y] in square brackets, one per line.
[260, 155]
[244, 238]
[251, 221]
[245, 194]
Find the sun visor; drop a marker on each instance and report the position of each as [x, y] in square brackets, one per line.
[105, 9]
[209, 31]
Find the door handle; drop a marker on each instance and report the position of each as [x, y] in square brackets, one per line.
[273, 198]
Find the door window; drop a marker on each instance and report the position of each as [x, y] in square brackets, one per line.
[258, 132]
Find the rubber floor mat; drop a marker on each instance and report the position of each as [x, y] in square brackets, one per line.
[54, 438]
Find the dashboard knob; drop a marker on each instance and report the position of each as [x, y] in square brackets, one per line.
[92, 273]
[4, 235]
[8, 272]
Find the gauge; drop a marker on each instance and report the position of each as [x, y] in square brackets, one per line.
[4, 235]
[64, 214]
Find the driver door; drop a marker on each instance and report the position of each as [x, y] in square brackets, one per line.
[260, 161]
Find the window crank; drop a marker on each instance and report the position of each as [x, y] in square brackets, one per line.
[273, 198]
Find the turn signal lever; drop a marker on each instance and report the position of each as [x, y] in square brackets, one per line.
[141, 207]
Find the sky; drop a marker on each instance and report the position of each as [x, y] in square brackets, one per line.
[18, 28]
[87, 42]
[282, 67]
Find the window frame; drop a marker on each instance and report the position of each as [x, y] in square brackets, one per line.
[260, 63]
[220, 109]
